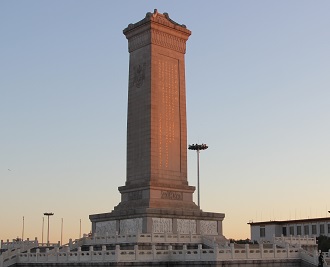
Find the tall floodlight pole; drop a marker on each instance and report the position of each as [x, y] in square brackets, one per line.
[48, 214]
[42, 230]
[23, 230]
[61, 231]
[198, 147]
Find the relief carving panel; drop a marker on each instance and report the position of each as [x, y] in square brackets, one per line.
[131, 226]
[104, 228]
[209, 227]
[186, 226]
[161, 225]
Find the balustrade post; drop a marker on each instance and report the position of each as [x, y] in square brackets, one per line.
[47, 253]
[169, 248]
[91, 251]
[184, 252]
[18, 252]
[67, 252]
[154, 253]
[79, 253]
[247, 251]
[275, 250]
[216, 251]
[261, 248]
[104, 249]
[165, 236]
[70, 243]
[200, 252]
[287, 247]
[136, 252]
[117, 253]
[57, 251]
[232, 250]
[37, 254]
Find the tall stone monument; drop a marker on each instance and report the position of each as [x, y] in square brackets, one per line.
[156, 197]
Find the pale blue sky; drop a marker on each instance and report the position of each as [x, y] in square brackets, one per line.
[257, 76]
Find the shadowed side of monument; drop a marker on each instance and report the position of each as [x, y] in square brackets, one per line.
[156, 197]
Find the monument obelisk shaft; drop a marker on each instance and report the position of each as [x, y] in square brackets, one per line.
[156, 121]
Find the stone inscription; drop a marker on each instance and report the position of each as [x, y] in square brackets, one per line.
[131, 226]
[209, 227]
[169, 114]
[161, 225]
[105, 228]
[186, 226]
[172, 195]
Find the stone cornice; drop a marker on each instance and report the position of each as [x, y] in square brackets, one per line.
[157, 37]
[163, 19]
[157, 29]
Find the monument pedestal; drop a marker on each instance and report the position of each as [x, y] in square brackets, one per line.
[161, 220]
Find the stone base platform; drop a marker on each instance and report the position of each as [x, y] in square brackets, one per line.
[161, 220]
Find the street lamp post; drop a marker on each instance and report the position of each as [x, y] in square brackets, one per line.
[48, 214]
[23, 230]
[198, 147]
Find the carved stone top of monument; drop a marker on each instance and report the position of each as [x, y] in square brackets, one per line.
[158, 29]
[159, 18]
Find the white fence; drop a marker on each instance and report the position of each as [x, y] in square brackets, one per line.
[216, 252]
[295, 240]
[19, 244]
[199, 254]
[143, 238]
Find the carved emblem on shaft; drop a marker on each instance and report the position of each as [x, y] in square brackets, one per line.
[139, 75]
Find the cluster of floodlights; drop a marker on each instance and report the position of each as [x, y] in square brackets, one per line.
[197, 147]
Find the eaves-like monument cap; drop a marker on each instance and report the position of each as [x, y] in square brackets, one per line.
[162, 19]
[157, 29]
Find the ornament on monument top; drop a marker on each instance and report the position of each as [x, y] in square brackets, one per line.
[159, 18]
